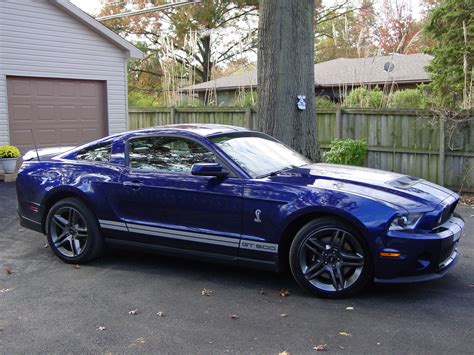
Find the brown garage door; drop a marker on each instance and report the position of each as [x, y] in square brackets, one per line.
[60, 112]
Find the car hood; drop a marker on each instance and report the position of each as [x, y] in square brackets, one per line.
[396, 189]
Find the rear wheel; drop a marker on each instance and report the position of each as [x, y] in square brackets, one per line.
[328, 258]
[73, 232]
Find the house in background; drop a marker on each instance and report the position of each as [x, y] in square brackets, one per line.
[333, 79]
[63, 75]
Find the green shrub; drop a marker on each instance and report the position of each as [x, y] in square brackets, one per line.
[364, 98]
[246, 99]
[408, 99]
[324, 102]
[187, 101]
[140, 100]
[347, 152]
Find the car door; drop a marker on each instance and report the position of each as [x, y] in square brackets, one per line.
[162, 203]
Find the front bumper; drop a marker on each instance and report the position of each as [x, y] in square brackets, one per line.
[423, 256]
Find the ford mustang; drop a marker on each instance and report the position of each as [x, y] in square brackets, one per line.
[229, 194]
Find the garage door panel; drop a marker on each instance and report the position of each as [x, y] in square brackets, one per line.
[46, 113]
[23, 137]
[88, 134]
[21, 88]
[69, 135]
[88, 90]
[68, 113]
[47, 137]
[45, 89]
[61, 112]
[22, 112]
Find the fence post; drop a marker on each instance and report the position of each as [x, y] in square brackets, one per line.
[248, 118]
[442, 151]
[338, 121]
[173, 115]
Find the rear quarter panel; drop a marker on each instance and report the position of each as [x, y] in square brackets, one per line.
[41, 183]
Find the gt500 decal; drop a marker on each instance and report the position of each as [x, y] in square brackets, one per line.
[268, 247]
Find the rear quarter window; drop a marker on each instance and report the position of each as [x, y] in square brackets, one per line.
[98, 152]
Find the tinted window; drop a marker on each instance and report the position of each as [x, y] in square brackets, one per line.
[167, 154]
[99, 152]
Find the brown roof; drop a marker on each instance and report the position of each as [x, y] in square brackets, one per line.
[407, 68]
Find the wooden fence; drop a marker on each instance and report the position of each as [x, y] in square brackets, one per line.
[408, 142]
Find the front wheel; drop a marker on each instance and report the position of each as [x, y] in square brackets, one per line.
[328, 258]
[73, 232]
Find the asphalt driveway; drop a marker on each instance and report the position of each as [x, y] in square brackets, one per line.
[48, 306]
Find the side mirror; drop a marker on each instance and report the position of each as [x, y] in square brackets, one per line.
[209, 169]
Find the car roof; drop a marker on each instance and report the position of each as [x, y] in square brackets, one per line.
[201, 129]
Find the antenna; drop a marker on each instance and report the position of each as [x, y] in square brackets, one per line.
[34, 142]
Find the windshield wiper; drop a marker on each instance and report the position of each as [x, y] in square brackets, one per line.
[276, 172]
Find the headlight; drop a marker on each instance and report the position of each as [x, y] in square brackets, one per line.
[405, 221]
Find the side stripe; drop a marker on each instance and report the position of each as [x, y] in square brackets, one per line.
[190, 236]
[180, 237]
[183, 233]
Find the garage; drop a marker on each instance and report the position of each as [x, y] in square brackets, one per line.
[59, 112]
[63, 75]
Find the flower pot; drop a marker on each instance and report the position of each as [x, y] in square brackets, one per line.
[9, 165]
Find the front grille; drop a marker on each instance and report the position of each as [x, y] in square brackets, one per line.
[446, 253]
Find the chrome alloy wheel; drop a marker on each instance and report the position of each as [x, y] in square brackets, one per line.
[68, 231]
[331, 259]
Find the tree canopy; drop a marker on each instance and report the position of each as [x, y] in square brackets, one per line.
[451, 28]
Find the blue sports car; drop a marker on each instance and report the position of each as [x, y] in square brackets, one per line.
[229, 194]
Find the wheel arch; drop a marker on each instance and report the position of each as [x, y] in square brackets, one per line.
[59, 194]
[304, 217]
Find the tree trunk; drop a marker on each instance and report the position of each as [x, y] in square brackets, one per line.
[207, 65]
[285, 71]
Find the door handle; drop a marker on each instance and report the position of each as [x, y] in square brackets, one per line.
[134, 184]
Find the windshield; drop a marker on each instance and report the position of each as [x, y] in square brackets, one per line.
[259, 155]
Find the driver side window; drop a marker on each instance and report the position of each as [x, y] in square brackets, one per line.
[167, 154]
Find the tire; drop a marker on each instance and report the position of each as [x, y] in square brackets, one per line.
[73, 232]
[329, 259]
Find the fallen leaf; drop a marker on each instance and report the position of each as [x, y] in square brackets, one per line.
[21, 230]
[283, 315]
[137, 342]
[5, 290]
[349, 308]
[46, 246]
[205, 292]
[262, 292]
[161, 314]
[378, 343]
[284, 292]
[234, 316]
[284, 353]
[321, 347]
[133, 312]
[341, 347]
[8, 269]
[344, 334]
[76, 266]
[101, 328]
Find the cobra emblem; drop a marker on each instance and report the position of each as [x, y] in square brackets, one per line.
[257, 216]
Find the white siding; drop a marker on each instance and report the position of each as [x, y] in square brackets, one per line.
[38, 39]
